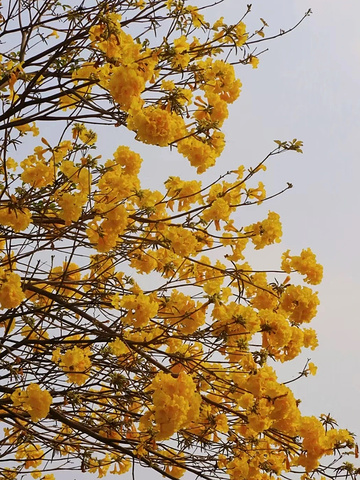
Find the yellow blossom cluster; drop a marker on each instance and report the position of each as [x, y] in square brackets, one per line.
[140, 308]
[176, 403]
[118, 347]
[200, 152]
[183, 313]
[156, 126]
[33, 400]
[128, 71]
[305, 264]
[70, 201]
[37, 172]
[75, 363]
[15, 216]
[299, 303]
[119, 181]
[11, 292]
[87, 136]
[69, 275]
[171, 468]
[26, 128]
[31, 454]
[266, 232]
[188, 396]
[182, 193]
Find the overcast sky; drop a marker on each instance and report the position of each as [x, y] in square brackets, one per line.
[306, 86]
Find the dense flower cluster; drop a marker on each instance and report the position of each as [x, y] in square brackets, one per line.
[33, 400]
[31, 454]
[176, 403]
[75, 362]
[156, 126]
[11, 293]
[15, 217]
[305, 264]
[266, 232]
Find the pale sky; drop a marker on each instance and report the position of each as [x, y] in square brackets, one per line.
[306, 87]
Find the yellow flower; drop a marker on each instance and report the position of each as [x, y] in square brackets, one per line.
[266, 232]
[241, 35]
[16, 218]
[220, 78]
[61, 150]
[78, 175]
[126, 85]
[276, 329]
[76, 364]
[10, 164]
[68, 101]
[183, 241]
[173, 469]
[310, 338]
[106, 235]
[200, 154]
[34, 400]
[11, 293]
[238, 468]
[181, 312]
[156, 126]
[9, 473]
[129, 161]
[299, 303]
[219, 210]
[30, 453]
[24, 129]
[222, 423]
[143, 262]
[168, 85]
[86, 136]
[65, 279]
[237, 246]
[254, 61]
[312, 368]
[99, 466]
[259, 193]
[117, 347]
[71, 205]
[181, 57]
[222, 461]
[215, 110]
[37, 173]
[122, 464]
[176, 403]
[140, 309]
[197, 19]
[305, 264]
[184, 193]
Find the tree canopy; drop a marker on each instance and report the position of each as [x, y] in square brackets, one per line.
[134, 329]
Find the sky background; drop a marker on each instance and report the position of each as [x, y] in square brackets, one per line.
[306, 87]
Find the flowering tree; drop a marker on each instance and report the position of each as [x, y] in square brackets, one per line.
[99, 371]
